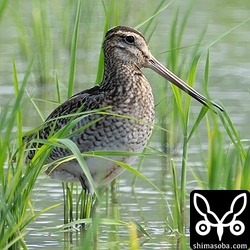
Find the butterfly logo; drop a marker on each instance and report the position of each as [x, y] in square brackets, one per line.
[210, 219]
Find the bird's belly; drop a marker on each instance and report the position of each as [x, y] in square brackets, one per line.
[103, 170]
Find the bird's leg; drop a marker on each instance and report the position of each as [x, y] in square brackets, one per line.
[95, 215]
[85, 185]
[96, 202]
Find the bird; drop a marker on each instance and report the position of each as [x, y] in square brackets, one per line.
[128, 120]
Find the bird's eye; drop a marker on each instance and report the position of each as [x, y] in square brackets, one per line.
[129, 39]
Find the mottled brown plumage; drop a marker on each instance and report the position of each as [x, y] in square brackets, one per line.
[128, 96]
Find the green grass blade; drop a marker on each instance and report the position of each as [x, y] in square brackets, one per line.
[100, 68]
[245, 177]
[42, 211]
[3, 6]
[231, 131]
[130, 169]
[177, 199]
[58, 90]
[10, 121]
[36, 107]
[184, 22]
[140, 228]
[18, 115]
[197, 122]
[73, 52]
[205, 48]
[204, 109]
[157, 12]
[75, 150]
[15, 240]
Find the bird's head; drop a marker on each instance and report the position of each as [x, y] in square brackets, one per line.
[126, 45]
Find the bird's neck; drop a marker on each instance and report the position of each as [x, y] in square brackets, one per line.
[128, 91]
[119, 75]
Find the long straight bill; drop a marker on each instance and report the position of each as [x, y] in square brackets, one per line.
[167, 74]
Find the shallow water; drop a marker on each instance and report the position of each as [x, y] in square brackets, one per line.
[229, 83]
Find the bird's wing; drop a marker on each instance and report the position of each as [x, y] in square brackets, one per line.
[71, 109]
[77, 103]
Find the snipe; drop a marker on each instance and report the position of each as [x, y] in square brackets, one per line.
[127, 127]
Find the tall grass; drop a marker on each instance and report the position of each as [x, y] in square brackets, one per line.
[219, 164]
[17, 182]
